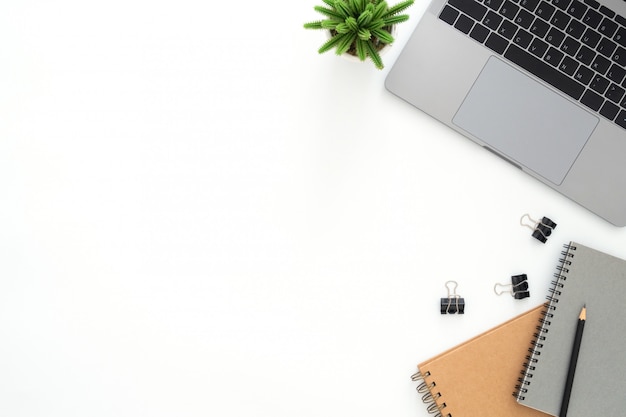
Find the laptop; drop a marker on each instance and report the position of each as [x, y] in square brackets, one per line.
[540, 83]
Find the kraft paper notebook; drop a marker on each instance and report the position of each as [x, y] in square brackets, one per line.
[477, 378]
[584, 277]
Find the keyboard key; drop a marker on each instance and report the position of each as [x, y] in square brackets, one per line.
[544, 71]
[620, 36]
[555, 37]
[545, 11]
[522, 38]
[583, 74]
[479, 33]
[538, 47]
[585, 55]
[524, 19]
[592, 18]
[492, 21]
[577, 9]
[616, 74]
[507, 29]
[496, 43]
[509, 10]
[575, 29]
[609, 110]
[561, 4]
[621, 119]
[568, 66]
[448, 15]
[591, 38]
[570, 46]
[600, 64]
[607, 12]
[464, 24]
[599, 84]
[606, 47]
[607, 27]
[592, 100]
[553, 57]
[560, 20]
[592, 3]
[494, 4]
[539, 28]
[619, 56]
[620, 19]
[529, 4]
[471, 8]
[614, 93]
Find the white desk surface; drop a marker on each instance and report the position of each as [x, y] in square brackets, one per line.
[201, 216]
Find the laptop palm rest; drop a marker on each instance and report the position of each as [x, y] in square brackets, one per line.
[525, 121]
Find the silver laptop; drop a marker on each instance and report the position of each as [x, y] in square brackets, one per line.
[541, 83]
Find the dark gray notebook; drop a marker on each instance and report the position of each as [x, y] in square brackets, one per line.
[584, 277]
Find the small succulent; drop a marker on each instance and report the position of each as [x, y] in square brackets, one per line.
[359, 27]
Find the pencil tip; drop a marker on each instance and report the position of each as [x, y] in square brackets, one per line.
[583, 313]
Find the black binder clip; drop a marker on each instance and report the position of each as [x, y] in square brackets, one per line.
[454, 303]
[541, 229]
[518, 288]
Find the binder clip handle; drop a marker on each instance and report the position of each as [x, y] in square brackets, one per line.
[454, 303]
[518, 288]
[542, 229]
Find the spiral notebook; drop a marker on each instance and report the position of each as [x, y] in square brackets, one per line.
[477, 378]
[584, 277]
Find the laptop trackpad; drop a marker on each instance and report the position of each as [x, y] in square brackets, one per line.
[525, 121]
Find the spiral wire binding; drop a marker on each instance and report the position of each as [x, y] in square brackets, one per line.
[539, 336]
[428, 397]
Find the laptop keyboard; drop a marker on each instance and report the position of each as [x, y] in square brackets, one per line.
[577, 47]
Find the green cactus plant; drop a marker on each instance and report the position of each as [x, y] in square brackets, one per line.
[359, 27]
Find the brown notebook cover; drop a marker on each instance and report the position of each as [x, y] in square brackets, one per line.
[477, 378]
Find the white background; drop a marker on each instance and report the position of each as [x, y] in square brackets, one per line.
[201, 216]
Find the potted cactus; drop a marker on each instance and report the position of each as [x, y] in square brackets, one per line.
[359, 27]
